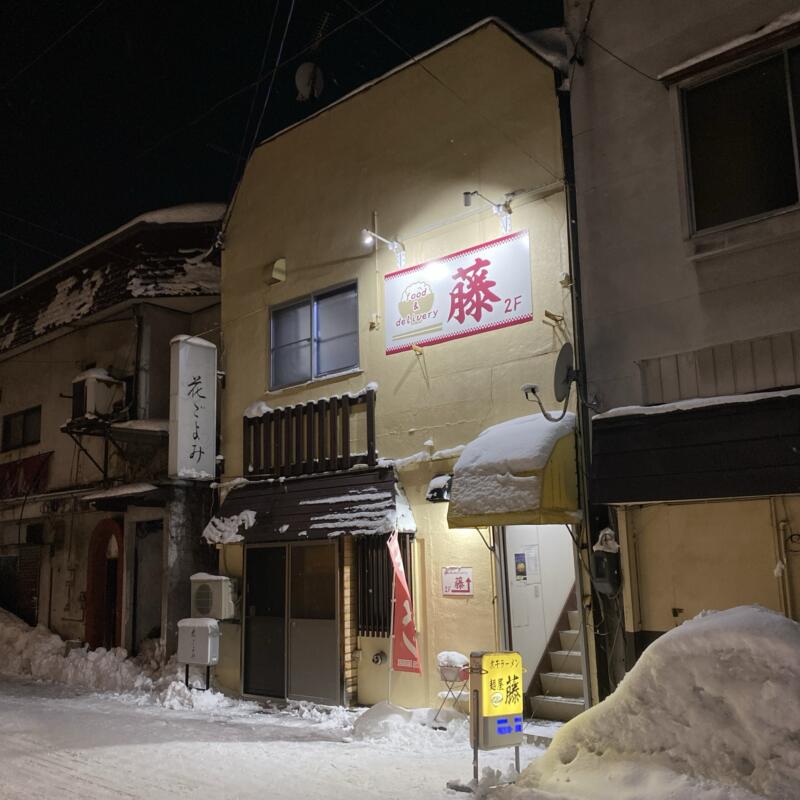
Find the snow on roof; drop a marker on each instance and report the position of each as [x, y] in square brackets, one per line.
[225, 530]
[697, 402]
[497, 472]
[149, 425]
[126, 490]
[257, 409]
[98, 373]
[710, 710]
[777, 24]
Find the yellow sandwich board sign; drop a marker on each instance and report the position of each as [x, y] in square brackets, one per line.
[501, 684]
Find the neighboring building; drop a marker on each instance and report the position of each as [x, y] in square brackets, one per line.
[96, 542]
[358, 372]
[686, 150]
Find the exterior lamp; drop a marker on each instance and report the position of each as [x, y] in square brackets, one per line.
[396, 246]
[502, 210]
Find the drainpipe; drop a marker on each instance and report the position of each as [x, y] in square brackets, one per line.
[143, 339]
[583, 427]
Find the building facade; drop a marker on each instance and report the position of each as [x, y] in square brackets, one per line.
[685, 143]
[394, 269]
[96, 541]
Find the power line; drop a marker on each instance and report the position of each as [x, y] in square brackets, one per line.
[455, 94]
[313, 45]
[51, 46]
[232, 203]
[622, 60]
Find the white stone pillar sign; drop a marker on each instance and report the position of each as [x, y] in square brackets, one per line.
[192, 408]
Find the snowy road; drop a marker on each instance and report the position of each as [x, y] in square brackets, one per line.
[60, 742]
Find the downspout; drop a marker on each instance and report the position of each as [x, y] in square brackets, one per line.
[583, 421]
[142, 365]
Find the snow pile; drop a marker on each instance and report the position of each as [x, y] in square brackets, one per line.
[711, 710]
[225, 530]
[451, 658]
[411, 728]
[73, 299]
[145, 680]
[498, 471]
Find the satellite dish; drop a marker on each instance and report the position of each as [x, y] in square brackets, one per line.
[309, 81]
[564, 373]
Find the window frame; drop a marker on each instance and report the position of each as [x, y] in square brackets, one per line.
[24, 442]
[680, 90]
[312, 300]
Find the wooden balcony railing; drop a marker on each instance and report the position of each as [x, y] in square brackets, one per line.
[308, 438]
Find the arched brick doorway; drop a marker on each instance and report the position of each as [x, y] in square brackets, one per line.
[104, 586]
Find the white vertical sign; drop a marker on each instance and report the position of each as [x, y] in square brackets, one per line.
[192, 408]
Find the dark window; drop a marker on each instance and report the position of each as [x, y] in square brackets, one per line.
[741, 142]
[375, 576]
[315, 337]
[22, 428]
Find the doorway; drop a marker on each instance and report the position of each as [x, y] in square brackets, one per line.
[291, 624]
[104, 579]
[147, 582]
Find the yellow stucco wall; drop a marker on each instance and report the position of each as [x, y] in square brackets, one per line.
[405, 149]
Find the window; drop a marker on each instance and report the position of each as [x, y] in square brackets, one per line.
[375, 577]
[742, 141]
[22, 428]
[315, 337]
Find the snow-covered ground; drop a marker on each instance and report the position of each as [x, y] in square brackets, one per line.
[95, 724]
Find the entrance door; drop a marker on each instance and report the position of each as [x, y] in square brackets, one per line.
[314, 627]
[291, 638]
[147, 582]
[265, 622]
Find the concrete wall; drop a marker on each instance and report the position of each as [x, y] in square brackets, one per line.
[406, 149]
[650, 288]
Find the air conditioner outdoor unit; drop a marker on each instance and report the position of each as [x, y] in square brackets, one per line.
[94, 393]
[213, 596]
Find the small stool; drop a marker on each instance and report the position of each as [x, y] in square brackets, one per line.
[455, 679]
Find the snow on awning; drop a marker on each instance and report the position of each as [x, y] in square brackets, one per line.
[521, 471]
[359, 503]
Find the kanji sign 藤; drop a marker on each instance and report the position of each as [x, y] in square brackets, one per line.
[472, 291]
[457, 581]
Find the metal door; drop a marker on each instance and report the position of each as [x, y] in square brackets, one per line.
[265, 622]
[314, 660]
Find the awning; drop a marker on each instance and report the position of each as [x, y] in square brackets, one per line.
[359, 503]
[518, 472]
[118, 498]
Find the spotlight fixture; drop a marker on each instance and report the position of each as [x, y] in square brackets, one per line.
[502, 210]
[396, 246]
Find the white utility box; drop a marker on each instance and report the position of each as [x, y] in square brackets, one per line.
[198, 641]
[213, 596]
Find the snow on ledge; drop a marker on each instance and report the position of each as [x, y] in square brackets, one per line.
[783, 21]
[126, 490]
[697, 402]
[225, 530]
[498, 471]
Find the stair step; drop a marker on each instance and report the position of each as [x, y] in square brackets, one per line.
[574, 619]
[570, 640]
[563, 684]
[563, 708]
[566, 661]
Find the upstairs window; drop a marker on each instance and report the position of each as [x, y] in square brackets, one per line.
[22, 428]
[742, 141]
[314, 337]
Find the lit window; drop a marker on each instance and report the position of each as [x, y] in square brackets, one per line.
[314, 337]
[22, 428]
[739, 130]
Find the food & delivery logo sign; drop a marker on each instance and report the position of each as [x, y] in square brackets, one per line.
[472, 291]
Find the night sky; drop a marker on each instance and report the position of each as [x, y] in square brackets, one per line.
[145, 104]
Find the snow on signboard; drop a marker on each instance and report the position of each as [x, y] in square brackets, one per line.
[192, 408]
[457, 581]
[472, 291]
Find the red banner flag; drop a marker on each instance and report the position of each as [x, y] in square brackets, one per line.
[405, 655]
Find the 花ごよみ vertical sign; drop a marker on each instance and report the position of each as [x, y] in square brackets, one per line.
[192, 408]
[462, 294]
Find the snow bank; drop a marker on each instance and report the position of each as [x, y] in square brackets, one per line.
[711, 710]
[496, 471]
[145, 680]
[225, 530]
[412, 729]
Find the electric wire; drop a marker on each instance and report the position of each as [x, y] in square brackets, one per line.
[49, 47]
[622, 60]
[222, 101]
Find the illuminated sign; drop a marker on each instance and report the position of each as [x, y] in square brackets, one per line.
[462, 294]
